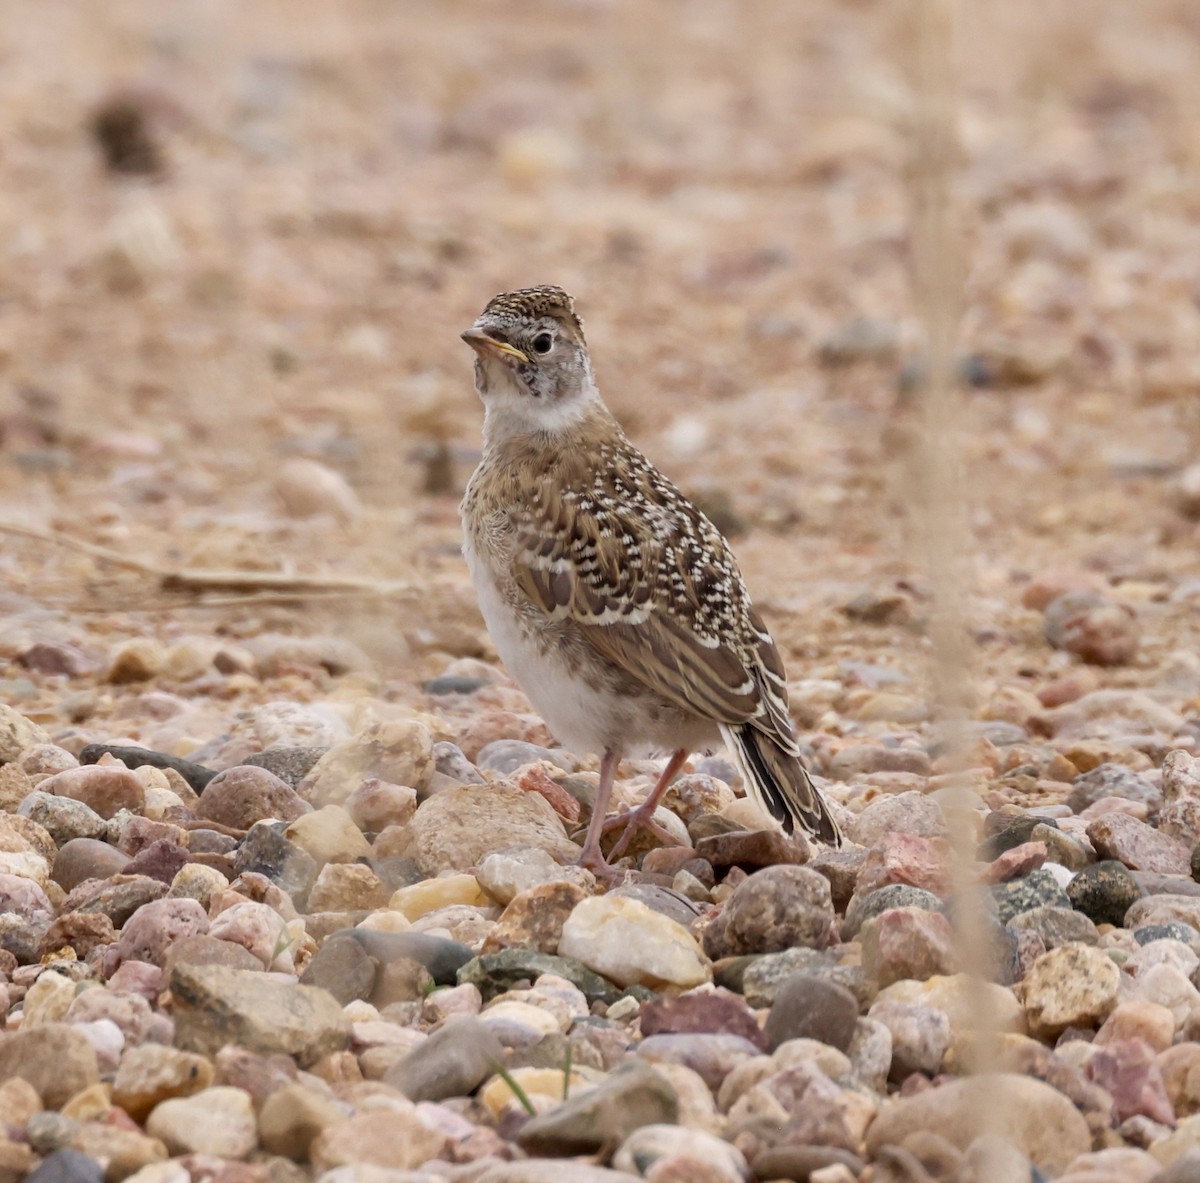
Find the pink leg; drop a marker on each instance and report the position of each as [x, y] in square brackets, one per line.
[592, 856]
[642, 816]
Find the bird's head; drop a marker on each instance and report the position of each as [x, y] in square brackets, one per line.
[531, 361]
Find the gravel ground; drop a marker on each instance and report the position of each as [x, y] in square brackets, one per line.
[285, 869]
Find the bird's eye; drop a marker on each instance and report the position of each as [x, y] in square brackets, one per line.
[542, 343]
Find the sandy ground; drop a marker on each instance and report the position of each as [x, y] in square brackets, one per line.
[723, 189]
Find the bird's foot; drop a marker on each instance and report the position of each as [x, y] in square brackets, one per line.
[592, 859]
[641, 818]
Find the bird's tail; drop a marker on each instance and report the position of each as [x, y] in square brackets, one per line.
[779, 783]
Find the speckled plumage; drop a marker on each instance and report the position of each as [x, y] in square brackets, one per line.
[613, 600]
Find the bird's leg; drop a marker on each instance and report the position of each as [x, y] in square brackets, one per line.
[641, 817]
[592, 856]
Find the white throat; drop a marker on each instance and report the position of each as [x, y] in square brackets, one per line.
[509, 413]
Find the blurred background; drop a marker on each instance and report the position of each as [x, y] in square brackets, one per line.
[239, 241]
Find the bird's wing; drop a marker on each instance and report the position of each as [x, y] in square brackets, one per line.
[656, 592]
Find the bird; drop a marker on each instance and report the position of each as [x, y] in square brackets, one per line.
[614, 603]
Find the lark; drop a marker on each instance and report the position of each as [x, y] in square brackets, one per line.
[612, 600]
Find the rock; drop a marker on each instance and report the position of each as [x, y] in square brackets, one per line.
[446, 891]
[1092, 627]
[537, 1171]
[807, 1007]
[55, 1058]
[1128, 1071]
[214, 1006]
[665, 900]
[773, 909]
[452, 1062]
[290, 764]
[633, 1096]
[1166, 908]
[910, 813]
[397, 751]
[218, 1121]
[1016, 863]
[711, 1057]
[804, 1162]
[397, 1138]
[341, 966]
[152, 1073]
[309, 488]
[105, 788]
[1072, 986]
[753, 849]
[764, 976]
[1180, 1068]
[329, 836]
[63, 818]
[62, 1166]
[920, 1036]
[495, 973]
[17, 733]
[244, 794]
[897, 895]
[1138, 846]
[907, 943]
[376, 804]
[458, 827]
[505, 874]
[154, 927]
[672, 1152]
[870, 1053]
[967, 1003]
[1057, 926]
[86, 858]
[347, 887]
[1113, 780]
[535, 918]
[267, 851]
[703, 1010]
[259, 929]
[630, 943]
[1104, 892]
[910, 859]
[1036, 1119]
[1036, 890]
[291, 1117]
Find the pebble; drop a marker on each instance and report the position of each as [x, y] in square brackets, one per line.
[396, 1138]
[632, 1097]
[773, 909]
[1139, 846]
[896, 895]
[452, 1062]
[105, 788]
[214, 1006]
[57, 1060]
[1038, 889]
[1073, 986]
[920, 1036]
[1114, 780]
[808, 1007]
[707, 1009]
[1031, 1116]
[18, 733]
[458, 827]
[1056, 926]
[396, 751]
[218, 1121]
[1104, 892]
[630, 943]
[907, 943]
[665, 1152]
[910, 813]
[243, 795]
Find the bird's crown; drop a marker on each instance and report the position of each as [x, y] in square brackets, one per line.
[531, 303]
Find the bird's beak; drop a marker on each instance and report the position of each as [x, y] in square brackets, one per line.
[479, 341]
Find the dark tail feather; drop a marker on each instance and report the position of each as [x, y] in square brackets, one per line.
[779, 783]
